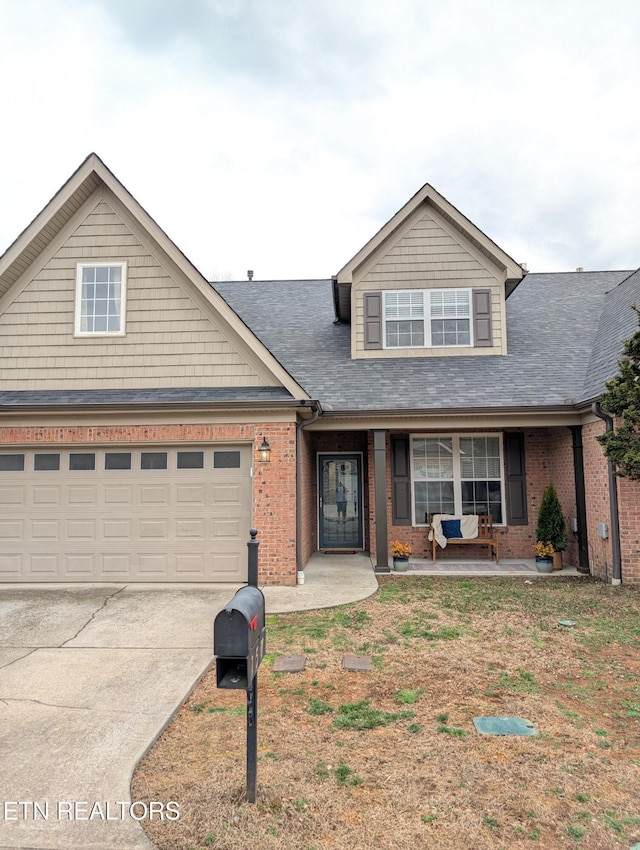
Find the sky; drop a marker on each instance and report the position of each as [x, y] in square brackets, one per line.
[280, 135]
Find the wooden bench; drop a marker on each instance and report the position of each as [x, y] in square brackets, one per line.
[486, 537]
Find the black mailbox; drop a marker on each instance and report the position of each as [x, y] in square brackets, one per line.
[239, 639]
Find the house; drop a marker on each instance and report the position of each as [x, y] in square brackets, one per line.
[149, 418]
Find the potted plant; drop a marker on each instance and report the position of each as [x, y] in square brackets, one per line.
[400, 552]
[551, 527]
[544, 556]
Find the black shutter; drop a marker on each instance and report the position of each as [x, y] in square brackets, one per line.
[373, 320]
[516, 478]
[400, 480]
[482, 317]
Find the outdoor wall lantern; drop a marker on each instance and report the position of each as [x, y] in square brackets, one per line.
[265, 451]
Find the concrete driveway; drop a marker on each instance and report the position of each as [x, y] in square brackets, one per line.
[90, 675]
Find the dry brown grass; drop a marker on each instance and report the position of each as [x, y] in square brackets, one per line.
[462, 648]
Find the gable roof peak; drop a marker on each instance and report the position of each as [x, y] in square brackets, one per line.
[429, 196]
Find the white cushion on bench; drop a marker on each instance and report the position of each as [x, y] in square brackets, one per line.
[468, 527]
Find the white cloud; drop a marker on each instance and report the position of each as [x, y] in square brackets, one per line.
[280, 136]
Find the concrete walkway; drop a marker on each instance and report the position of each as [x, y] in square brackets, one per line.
[89, 677]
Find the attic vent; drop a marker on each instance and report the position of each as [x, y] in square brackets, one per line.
[249, 274]
[580, 269]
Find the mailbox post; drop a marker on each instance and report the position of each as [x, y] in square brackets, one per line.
[239, 642]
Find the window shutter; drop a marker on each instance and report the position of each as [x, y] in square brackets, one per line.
[482, 317]
[372, 320]
[516, 479]
[400, 480]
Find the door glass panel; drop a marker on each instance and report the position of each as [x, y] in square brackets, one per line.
[153, 460]
[117, 460]
[340, 502]
[82, 461]
[46, 462]
[190, 460]
[11, 463]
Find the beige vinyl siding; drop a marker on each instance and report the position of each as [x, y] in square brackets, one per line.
[426, 255]
[170, 339]
[41, 239]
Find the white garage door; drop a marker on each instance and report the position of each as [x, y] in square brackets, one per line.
[161, 514]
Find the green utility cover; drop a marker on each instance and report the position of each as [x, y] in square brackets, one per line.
[504, 726]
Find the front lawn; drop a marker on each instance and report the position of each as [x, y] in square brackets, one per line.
[390, 759]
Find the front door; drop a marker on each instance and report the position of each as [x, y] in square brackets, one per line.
[340, 502]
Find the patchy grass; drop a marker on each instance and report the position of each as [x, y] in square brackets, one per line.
[390, 759]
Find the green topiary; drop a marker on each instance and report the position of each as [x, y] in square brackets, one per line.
[551, 526]
[622, 445]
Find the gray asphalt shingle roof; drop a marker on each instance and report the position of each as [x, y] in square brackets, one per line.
[564, 337]
[178, 395]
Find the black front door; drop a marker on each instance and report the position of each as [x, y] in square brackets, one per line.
[340, 502]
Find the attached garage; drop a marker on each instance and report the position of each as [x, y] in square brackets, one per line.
[134, 514]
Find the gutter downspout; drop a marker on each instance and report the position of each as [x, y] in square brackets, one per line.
[613, 501]
[317, 410]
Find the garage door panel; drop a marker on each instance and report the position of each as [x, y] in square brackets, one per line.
[157, 494]
[156, 528]
[192, 528]
[227, 494]
[44, 566]
[153, 566]
[10, 530]
[79, 567]
[224, 529]
[86, 495]
[46, 495]
[81, 529]
[152, 522]
[191, 494]
[11, 566]
[119, 528]
[116, 565]
[226, 566]
[118, 495]
[45, 529]
[190, 566]
[13, 495]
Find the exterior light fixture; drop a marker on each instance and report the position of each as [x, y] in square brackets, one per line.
[265, 451]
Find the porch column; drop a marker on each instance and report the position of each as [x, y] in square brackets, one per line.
[380, 487]
[581, 505]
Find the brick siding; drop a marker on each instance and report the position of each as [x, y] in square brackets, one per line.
[597, 487]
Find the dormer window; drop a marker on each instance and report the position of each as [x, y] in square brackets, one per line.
[427, 318]
[100, 299]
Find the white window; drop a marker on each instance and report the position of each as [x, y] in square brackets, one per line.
[427, 318]
[100, 298]
[457, 474]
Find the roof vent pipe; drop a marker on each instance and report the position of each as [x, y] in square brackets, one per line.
[613, 501]
[524, 267]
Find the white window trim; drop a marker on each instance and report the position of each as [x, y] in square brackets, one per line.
[123, 299]
[457, 476]
[426, 318]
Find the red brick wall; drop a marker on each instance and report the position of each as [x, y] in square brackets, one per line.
[629, 511]
[274, 484]
[597, 487]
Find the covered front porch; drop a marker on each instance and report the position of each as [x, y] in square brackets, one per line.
[393, 475]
